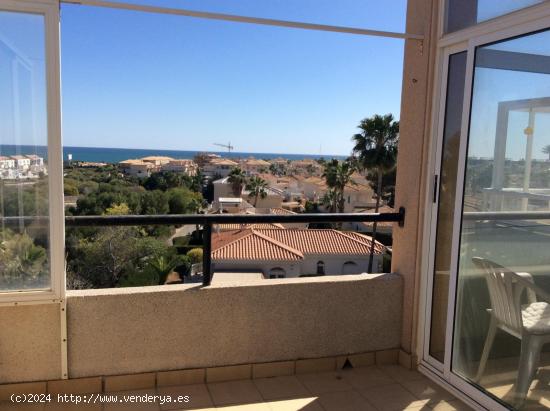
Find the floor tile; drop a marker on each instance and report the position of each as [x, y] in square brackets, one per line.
[299, 404]
[392, 398]
[124, 404]
[234, 392]
[401, 374]
[198, 394]
[260, 406]
[324, 382]
[367, 377]
[11, 406]
[56, 406]
[280, 387]
[452, 405]
[427, 390]
[344, 401]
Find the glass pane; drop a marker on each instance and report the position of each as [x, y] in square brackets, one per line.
[162, 91]
[507, 169]
[445, 212]
[466, 13]
[350, 13]
[24, 257]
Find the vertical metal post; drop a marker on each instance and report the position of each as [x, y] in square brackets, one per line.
[207, 254]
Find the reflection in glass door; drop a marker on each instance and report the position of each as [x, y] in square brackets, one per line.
[502, 317]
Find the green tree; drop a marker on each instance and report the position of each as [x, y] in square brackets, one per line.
[330, 200]
[118, 209]
[257, 187]
[70, 187]
[337, 176]
[183, 201]
[154, 202]
[237, 179]
[112, 254]
[22, 262]
[375, 148]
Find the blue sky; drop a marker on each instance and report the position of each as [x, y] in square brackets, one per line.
[155, 81]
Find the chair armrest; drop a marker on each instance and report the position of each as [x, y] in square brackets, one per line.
[527, 282]
[531, 295]
[527, 276]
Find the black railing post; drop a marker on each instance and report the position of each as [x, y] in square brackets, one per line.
[207, 254]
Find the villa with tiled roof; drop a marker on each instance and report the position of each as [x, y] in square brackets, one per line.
[278, 253]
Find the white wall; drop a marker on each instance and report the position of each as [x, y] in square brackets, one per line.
[333, 265]
[141, 329]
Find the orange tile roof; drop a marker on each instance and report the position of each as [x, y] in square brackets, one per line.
[230, 227]
[254, 245]
[289, 244]
[378, 247]
[324, 241]
[281, 211]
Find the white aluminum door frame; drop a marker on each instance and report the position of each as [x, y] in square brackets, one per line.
[432, 207]
[503, 29]
[50, 10]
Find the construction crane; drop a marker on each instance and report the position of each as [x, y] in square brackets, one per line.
[228, 146]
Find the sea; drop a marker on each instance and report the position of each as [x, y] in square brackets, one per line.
[115, 155]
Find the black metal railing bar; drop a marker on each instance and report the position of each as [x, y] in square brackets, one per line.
[207, 221]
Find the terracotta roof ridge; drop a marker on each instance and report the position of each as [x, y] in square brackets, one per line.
[277, 243]
[235, 239]
[366, 242]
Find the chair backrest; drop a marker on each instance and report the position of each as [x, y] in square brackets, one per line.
[504, 292]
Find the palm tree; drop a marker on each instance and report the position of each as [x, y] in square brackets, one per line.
[338, 176]
[376, 151]
[161, 267]
[237, 178]
[546, 150]
[257, 187]
[330, 200]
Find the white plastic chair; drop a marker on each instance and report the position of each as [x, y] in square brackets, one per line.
[530, 322]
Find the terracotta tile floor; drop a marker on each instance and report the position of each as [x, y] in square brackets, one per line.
[384, 388]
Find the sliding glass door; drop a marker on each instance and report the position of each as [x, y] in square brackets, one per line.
[487, 328]
[502, 321]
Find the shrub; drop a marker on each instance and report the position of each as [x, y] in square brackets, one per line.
[195, 255]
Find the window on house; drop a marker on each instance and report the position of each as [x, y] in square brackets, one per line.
[277, 272]
[320, 268]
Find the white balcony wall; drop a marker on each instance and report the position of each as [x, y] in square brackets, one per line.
[132, 330]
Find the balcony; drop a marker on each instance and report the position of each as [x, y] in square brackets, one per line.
[458, 319]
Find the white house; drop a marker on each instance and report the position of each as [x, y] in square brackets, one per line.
[254, 166]
[22, 162]
[7, 163]
[137, 168]
[188, 167]
[218, 167]
[35, 160]
[286, 253]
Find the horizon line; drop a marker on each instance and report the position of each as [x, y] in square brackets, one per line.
[184, 150]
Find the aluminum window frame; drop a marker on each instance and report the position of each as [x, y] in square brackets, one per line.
[56, 293]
